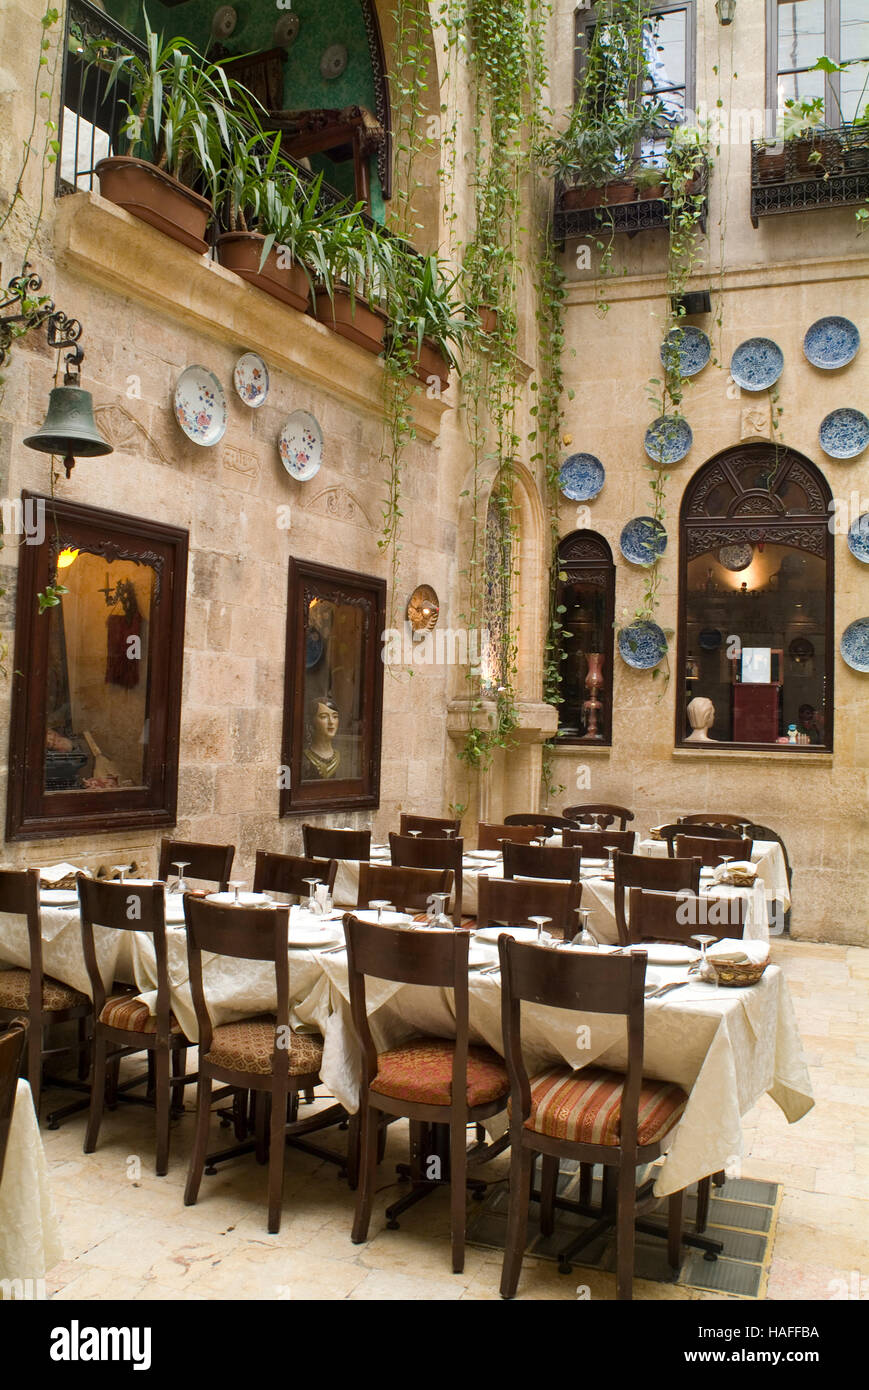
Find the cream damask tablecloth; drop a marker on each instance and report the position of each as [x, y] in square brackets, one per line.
[766, 854]
[29, 1231]
[598, 895]
[62, 954]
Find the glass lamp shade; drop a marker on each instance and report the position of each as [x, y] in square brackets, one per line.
[726, 11]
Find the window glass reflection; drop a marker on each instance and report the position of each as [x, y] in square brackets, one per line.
[334, 666]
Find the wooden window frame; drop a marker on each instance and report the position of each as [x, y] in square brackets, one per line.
[586, 556]
[586, 18]
[832, 48]
[32, 812]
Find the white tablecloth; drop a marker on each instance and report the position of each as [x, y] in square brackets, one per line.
[766, 854]
[62, 954]
[29, 1232]
[598, 895]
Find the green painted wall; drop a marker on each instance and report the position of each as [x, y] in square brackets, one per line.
[322, 23]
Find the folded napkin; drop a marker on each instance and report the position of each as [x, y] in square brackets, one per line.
[733, 952]
[655, 833]
[61, 875]
[739, 872]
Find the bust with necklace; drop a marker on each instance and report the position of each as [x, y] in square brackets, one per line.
[320, 760]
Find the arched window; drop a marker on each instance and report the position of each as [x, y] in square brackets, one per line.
[497, 593]
[587, 594]
[756, 602]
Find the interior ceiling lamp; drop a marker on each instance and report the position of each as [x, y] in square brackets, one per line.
[726, 11]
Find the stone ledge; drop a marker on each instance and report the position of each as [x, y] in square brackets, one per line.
[110, 246]
[747, 755]
[537, 721]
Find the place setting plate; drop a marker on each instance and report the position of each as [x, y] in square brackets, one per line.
[200, 406]
[528, 934]
[58, 897]
[229, 899]
[669, 953]
[831, 342]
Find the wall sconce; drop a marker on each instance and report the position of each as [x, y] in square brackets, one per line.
[423, 609]
[726, 11]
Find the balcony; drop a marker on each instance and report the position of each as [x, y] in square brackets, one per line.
[638, 213]
[829, 169]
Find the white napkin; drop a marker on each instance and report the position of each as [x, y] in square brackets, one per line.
[738, 952]
[740, 868]
[55, 873]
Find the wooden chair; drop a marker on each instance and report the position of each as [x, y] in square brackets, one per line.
[262, 1054]
[429, 1080]
[431, 826]
[763, 832]
[320, 843]
[711, 850]
[677, 917]
[603, 813]
[714, 832]
[286, 873]
[712, 818]
[490, 835]
[12, 1043]
[30, 994]
[407, 889]
[408, 852]
[558, 1113]
[595, 843]
[206, 863]
[535, 861]
[538, 818]
[123, 1025]
[510, 902]
[659, 875]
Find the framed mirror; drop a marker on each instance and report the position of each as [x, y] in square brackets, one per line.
[333, 690]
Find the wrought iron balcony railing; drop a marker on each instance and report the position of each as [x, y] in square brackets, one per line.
[826, 169]
[582, 212]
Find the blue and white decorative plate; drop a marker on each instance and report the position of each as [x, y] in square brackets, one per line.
[643, 540]
[200, 406]
[710, 639]
[251, 378]
[301, 446]
[642, 645]
[831, 342]
[581, 477]
[668, 439]
[844, 433]
[736, 557]
[858, 538]
[686, 348]
[757, 364]
[854, 645]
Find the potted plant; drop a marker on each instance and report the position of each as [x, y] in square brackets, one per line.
[649, 180]
[353, 292]
[685, 155]
[428, 317]
[181, 117]
[817, 151]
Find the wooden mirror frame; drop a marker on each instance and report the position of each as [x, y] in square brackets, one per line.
[586, 558]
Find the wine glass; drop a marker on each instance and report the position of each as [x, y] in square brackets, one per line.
[611, 866]
[415, 833]
[586, 938]
[312, 905]
[704, 969]
[450, 832]
[441, 920]
[379, 904]
[540, 923]
[121, 869]
[180, 865]
[725, 859]
[235, 884]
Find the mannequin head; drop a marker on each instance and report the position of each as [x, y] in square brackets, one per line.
[701, 717]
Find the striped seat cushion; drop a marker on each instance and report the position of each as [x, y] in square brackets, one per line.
[585, 1107]
[249, 1046]
[422, 1071]
[15, 993]
[128, 1012]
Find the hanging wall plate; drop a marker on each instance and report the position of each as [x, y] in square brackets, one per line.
[581, 477]
[301, 446]
[251, 379]
[643, 540]
[333, 61]
[854, 645]
[736, 557]
[858, 538]
[686, 348]
[831, 343]
[844, 433]
[668, 439]
[286, 30]
[642, 645]
[200, 406]
[757, 364]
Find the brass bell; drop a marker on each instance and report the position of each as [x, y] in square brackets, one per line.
[69, 427]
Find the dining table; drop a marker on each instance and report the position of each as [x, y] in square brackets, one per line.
[30, 1243]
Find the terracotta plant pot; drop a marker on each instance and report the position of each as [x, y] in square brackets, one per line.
[829, 162]
[157, 198]
[431, 362]
[351, 319]
[619, 191]
[241, 252]
[771, 166]
[489, 317]
[655, 191]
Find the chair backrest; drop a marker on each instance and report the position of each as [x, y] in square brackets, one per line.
[408, 889]
[19, 896]
[428, 825]
[321, 843]
[603, 813]
[551, 823]
[435, 958]
[535, 861]
[679, 916]
[490, 835]
[763, 832]
[242, 933]
[410, 852]
[511, 902]
[12, 1041]
[588, 983]
[286, 873]
[660, 875]
[595, 843]
[714, 832]
[710, 850]
[713, 818]
[129, 906]
[206, 863]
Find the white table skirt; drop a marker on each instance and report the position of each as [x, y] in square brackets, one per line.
[766, 854]
[29, 1232]
[62, 953]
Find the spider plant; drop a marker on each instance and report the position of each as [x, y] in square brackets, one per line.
[428, 308]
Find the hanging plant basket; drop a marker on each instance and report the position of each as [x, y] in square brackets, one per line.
[351, 318]
[241, 252]
[157, 198]
[488, 318]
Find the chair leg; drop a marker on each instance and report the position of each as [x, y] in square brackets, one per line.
[382, 1130]
[625, 1215]
[179, 1071]
[458, 1190]
[674, 1228]
[586, 1174]
[260, 1099]
[702, 1214]
[277, 1149]
[161, 1085]
[34, 1062]
[98, 1095]
[521, 1161]
[200, 1139]
[548, 1188]
[353, 1136]
[367, 1157]
[239, 1114]
[84, 1061]
[114, 1076]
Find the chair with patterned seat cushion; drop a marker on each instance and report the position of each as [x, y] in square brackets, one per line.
[262, 1054]
[124, 1025]
[30, 994]
[430, 1081]
[593, 1115]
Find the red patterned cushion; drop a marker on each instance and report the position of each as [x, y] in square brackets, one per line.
[126, 1011]
[15, 992]
[422, 1071]
[250, 1044]
[586, 1106]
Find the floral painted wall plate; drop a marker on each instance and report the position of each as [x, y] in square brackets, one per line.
[642, 645]
[831, 342]
[858, 538]
[686, 348]
[844, 433]
[643, 540]
[736, 557]
[301, 446]
[757, 364]
[200, 406]
[251, 378]
[581, 477]
[668, 439]
[854, 645]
